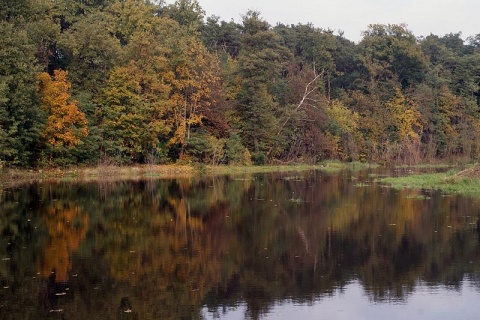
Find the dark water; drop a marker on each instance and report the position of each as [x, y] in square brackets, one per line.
[305, 245]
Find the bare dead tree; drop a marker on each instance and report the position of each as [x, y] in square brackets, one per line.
[306, 99]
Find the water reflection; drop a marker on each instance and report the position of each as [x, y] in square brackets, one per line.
[195, 248]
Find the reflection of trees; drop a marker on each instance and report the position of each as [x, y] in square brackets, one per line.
[155, 242]
[20, 244]
[171, 246]
[330, 232]
[67, 227]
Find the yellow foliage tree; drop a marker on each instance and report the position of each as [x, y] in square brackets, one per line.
[344, 130]
[195, 72]
[405, 117]
[66, 125]
[406, 126]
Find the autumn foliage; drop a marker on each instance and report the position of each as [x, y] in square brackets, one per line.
[66, 125]
[155, 83]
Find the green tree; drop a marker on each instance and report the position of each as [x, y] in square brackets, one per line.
[260, 62]
[68, 12]
[347, 70]
[129, 16]
[391, 53]
[12, 10]
[90, 50]
[121, 117]
[134, 108]
[21, 119]
[128, 134]
[313, 47]
[450, 97]
[43, 31]
[235, 152]
[221, 36]
[188, 13]
[474, 41]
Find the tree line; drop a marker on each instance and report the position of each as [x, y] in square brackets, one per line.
[134, 81]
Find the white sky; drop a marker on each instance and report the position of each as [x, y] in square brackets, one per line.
[421, 16]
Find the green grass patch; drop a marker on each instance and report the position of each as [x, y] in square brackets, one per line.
[447, 182]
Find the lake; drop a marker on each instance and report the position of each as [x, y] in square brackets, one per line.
[309, 245]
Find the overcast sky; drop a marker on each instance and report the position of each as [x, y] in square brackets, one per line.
[353, 16]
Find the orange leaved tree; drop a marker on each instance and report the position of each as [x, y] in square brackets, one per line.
[66, 125]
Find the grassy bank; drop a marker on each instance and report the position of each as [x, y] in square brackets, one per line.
[466, 182]
[111, 173]
[104, 173]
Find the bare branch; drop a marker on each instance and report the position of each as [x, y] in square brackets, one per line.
[308, 91]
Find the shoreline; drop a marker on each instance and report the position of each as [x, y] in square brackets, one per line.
[456, 181]
[11, 177]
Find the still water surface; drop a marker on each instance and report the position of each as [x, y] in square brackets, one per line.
[309, 245]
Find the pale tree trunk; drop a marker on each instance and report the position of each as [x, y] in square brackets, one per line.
[310, 88]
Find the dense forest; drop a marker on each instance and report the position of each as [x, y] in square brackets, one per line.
[133, 81]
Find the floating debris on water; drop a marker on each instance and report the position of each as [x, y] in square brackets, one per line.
[297, 200]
